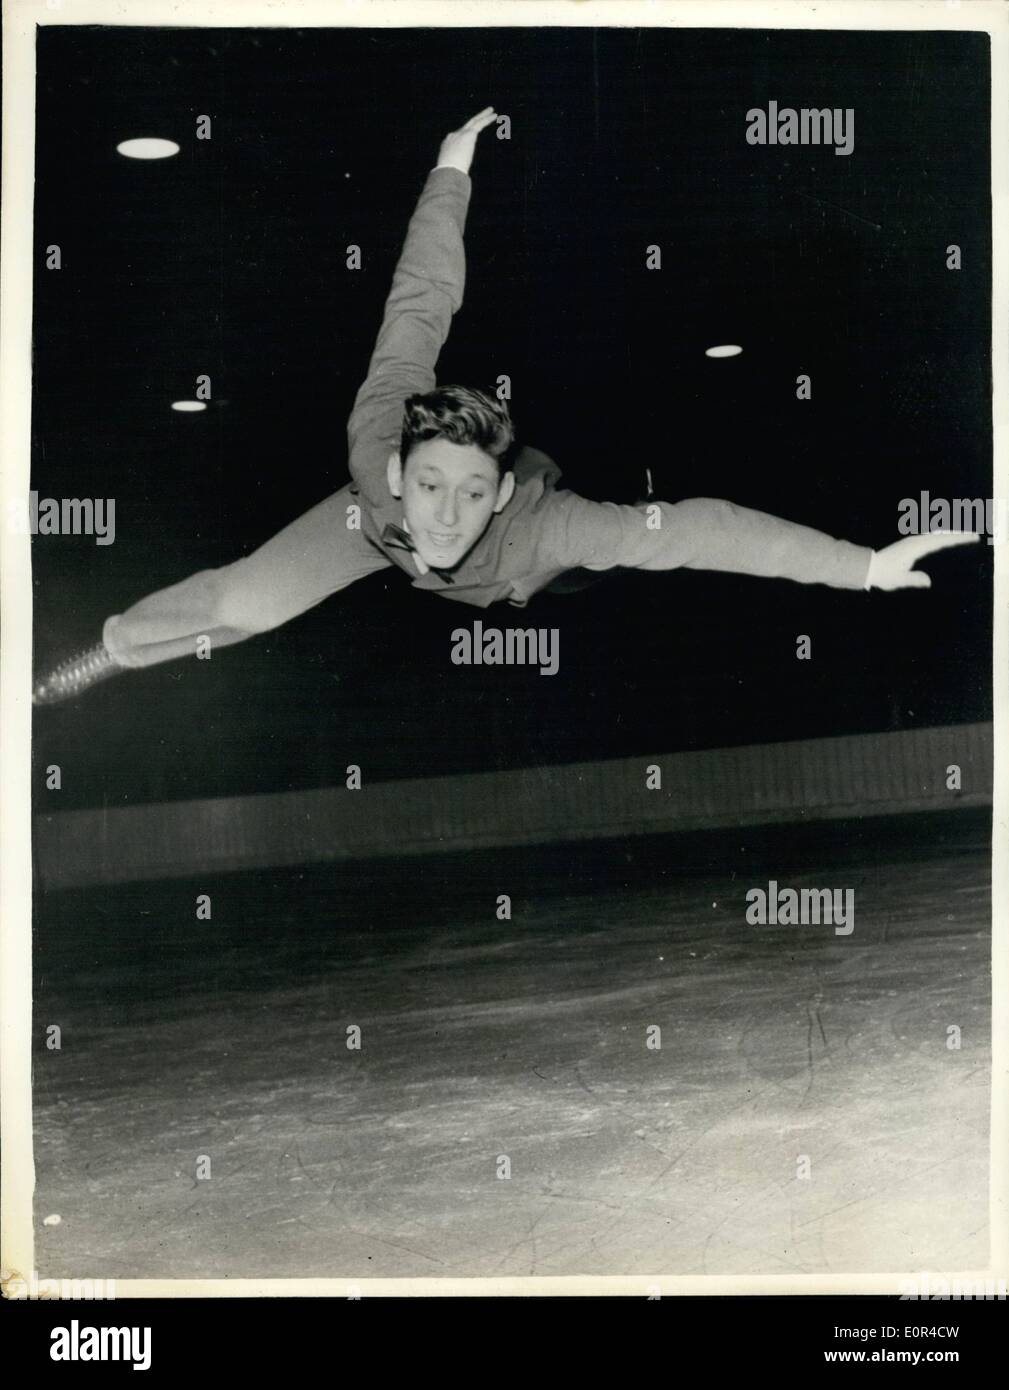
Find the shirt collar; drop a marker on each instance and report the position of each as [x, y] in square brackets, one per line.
[418, 562]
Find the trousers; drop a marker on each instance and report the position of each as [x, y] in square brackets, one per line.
[303, 564]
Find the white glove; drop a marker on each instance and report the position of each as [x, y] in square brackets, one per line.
[893, 568]
[458, 147]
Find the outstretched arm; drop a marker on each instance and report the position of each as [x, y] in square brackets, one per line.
[709, 534]
[427, 289]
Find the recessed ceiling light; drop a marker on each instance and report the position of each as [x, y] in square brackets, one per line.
[189, 405]
[724, 350]
[147, 148]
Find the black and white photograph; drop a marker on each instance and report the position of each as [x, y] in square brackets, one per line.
[502, 527]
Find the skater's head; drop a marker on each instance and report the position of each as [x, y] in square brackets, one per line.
[452, 470]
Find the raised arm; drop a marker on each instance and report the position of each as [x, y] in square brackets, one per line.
[709, 534]
[427, 289]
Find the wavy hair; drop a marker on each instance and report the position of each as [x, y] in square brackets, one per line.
[462, 415]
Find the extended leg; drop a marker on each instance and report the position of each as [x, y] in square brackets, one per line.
[312, 558]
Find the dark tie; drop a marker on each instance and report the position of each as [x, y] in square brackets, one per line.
[402, 540]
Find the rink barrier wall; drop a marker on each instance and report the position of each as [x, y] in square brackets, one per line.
[855, 775]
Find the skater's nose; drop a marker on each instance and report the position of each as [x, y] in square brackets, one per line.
[448, 512]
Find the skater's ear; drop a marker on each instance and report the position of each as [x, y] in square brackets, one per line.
[394, 474]
[505, 490]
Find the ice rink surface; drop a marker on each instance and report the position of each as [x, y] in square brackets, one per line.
[804, 1113]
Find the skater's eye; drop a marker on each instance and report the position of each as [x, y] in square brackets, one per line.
[429, 487]
[478, 496]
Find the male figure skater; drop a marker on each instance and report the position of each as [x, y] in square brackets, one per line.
[440, 491]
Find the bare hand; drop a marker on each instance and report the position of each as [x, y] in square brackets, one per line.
[459, 145]
[893, 568]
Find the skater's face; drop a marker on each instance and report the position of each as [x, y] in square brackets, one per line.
[450, 492]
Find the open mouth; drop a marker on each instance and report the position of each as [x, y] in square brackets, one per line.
[442, 542]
